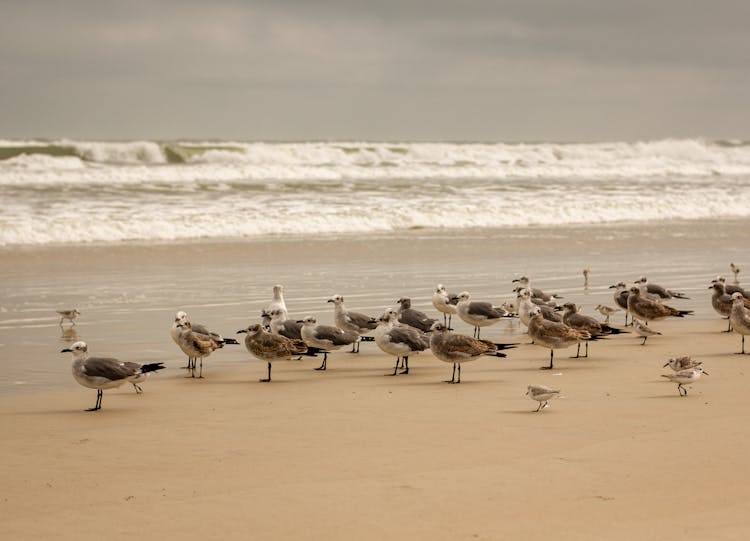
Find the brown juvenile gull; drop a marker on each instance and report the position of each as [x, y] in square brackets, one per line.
[523, 281]
[105, 373]
[553, 335]
[70, 315]
[739, 317]
[541, 394]
[445, 303]
[478, 313]
[647, 310]
[620, 296]
[181, 317]
[457, 348]
[685, 377]
[414, 318]
[581, 322]
[271, 347]
[352, 321]
[325, 337]
[659, 291]
[196, 345]
[644, 331]
[399, 340]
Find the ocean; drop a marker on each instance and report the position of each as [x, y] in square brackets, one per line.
[79, 192]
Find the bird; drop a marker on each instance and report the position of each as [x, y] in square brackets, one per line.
[445, 303]
[457, 348]
[659, 291]
[70, 315]
[414, 318]
[325, 337]
[606, 311]
[270, 347]
[478, 313]
[739, 317]
[277, 303]
[685, 377]
[643, 330]
[573, 318]
[682, 363]
[526, 305]
[196, 345]
[523, 281]
[620, 296]
[736, 270]
[541, 394]
[181, 317]
[553, 335]
[731, 288]
[351, 321]
[399, 339]
[722, 302]
[586, 278]
[105, 373]
[647, 310]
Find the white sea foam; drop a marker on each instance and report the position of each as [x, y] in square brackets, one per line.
[68, 191]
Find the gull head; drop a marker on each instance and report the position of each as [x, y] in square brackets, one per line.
[440, 289]
[255, 328]
[309, 320]
[438, 327]
[635, 291]
[78, 349]
[738, 298]
[571, 307]
[463, 296]
[389, 315]
[180, 316]
[336, 299]
[405, 302]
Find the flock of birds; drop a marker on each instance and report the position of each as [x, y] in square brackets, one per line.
[403, 331]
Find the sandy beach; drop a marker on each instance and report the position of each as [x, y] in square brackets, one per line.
[351, 452]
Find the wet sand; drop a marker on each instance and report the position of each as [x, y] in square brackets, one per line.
[352, 452]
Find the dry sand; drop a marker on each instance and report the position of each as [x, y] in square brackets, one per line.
[352, 453]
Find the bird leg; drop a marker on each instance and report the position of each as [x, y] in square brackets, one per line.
[98, 405]
[266, 380]
[587, 350]
[325, 359]
[729, 325]
[406, 365]
[551, 358]
[395, 368]
[200, 373]
[682, 390]
[453, 377]
[578, 352]
[644, 340]
[138, 389]
[539, 408]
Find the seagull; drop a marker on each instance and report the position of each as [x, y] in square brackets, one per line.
[445, 303]
[606, 311]
[661, 292]
[457, 348]
[105, 373]
[620, 296]
[572, 318]
[739, 317]
[399, 340]
[647, 310]
[478, 313]
[731, 288]
[277, 303]
[685, 377]
[414, 318]
[643, 330]
[526, 305]
[70, 315]
[325, 337]
[271, 347]
[553, 335]
[523, 281]
[682, 363]
[181, 317]
[351, 321]
[541, 394]
[722, 302]
[196, 345]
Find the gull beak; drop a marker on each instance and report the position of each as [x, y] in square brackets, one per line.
[612, 287]
[241, 331]
[706, 373]
[666, 365]
[329, 300]
[66, 350]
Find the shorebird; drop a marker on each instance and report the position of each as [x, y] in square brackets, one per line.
[445, 303]
[682, 363]
[414, 318]
[197, 345]
[643, 330]
[553, 335]
[105, 373]
[399, 340]
[739, 317]
[572, 318]
[523, 281]
[70, 315]
[478, 313]
[685, 377]
[325, 337]
[659, 291]
[351, 321]
[457, 348]
[526, 305]
[181, 317]
[647, 310]
[620, 296]
[271, 347]
[606, 311]
[541, 394]
[586, 278]
[736, 270]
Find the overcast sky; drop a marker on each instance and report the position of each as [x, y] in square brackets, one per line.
[475, 70]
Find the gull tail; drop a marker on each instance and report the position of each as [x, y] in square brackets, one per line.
[612, 330]
[495, 354]
[151, 367]
[682, 313]
[230, 341]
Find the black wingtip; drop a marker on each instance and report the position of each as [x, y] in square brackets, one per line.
[231, 341]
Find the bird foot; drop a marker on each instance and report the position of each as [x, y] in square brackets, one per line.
[93, 409]
[404, 371]
[545, 368]
[264, 380]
